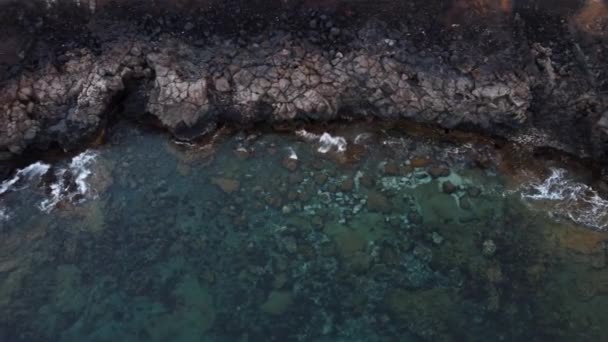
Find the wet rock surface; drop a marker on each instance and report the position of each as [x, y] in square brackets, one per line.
[504, 74]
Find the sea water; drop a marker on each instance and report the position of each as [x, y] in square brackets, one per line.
[335, 233]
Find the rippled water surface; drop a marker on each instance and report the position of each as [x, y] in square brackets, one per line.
[334, 234]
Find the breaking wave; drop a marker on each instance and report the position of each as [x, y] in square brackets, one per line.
[24, 176]
[569, 199]
[67, 183]
[71, 182]
[21, 180]
[326, 141]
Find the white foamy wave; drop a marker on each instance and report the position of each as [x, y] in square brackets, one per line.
[569, 199]
[302, 133]
[183, 143]
[326, 141]
[80, 166]
[71, 182]
[394, 142]
[362, 137]
[24, 175]
[292, 153]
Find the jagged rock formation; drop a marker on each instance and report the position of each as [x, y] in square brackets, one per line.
[315, 67]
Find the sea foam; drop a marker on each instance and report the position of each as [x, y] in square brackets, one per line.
[569, 199]
[71, 184]
[327, 142]
[24, 176]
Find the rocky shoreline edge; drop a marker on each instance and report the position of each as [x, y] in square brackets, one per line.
[526, 75]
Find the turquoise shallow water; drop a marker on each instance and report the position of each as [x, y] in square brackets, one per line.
[357, 235]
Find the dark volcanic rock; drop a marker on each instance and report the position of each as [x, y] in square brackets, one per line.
[502, 71]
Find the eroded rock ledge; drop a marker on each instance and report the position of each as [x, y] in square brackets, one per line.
[504, 76]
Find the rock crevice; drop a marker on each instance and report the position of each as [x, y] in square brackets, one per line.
[319, 72]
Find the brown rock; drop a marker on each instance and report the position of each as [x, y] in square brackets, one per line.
[439, 171]
[353, 154]
[420, 162]
[347, 185]
[290, 164]
[483, 162]
[227, 185]
[320, 178]
[448, 187]
[391, 168]
[367, 181]
[378, 202]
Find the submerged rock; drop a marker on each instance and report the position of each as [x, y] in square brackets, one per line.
[290, 164]
[320, 178]
[367, 181]
[449, 187]
[349, 242]
[391, 168]
[420, 162]
[347, 185]
[438, 171]
[278, 302]
[378, 202]
[228, 185]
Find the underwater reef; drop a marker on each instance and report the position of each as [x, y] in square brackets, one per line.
[350, 232]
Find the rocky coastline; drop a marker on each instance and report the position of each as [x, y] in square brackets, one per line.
[532, 72]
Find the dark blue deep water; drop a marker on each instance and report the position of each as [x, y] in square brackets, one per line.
[360, 234]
